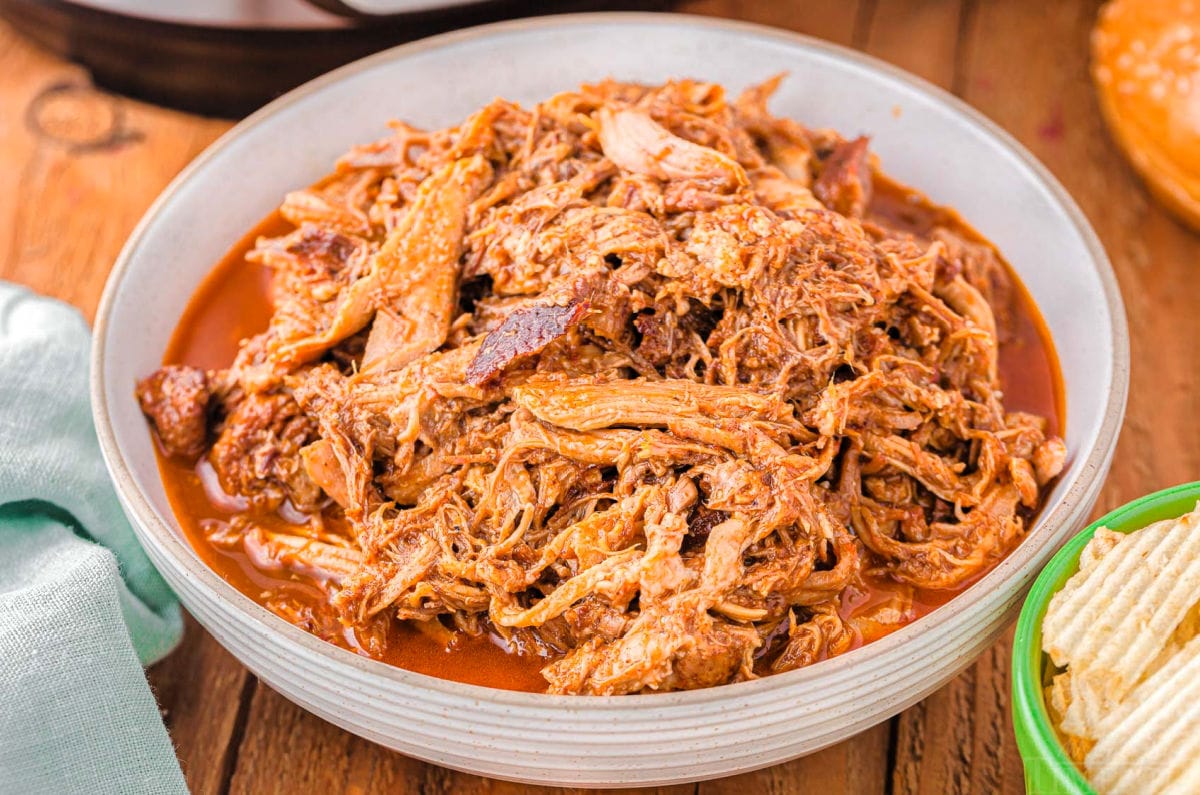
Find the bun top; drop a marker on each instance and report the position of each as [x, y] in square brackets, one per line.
[1146, 64]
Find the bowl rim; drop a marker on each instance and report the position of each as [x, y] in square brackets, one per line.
[1031, 721]
[1081, 493]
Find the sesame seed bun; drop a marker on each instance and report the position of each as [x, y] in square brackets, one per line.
[1146, 66]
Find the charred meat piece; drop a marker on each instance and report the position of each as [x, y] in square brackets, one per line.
[523, 333]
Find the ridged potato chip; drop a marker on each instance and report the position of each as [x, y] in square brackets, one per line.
[1126, 629]
[1151, 742]
[1113, 620]
[1058, 701]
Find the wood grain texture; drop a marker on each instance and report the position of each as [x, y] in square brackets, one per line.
[834, 20]
[79, 167]
[204, 693]
[920, 37]
[858, 765]
[77, 170]
[290, 751]
[959, 740]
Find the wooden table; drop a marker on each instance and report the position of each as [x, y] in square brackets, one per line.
[78, 168]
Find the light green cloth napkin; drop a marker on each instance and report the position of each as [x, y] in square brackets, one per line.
[80, 604]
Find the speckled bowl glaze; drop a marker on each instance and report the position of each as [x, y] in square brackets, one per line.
[923, 136]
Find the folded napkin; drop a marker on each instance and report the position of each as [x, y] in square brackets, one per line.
[81, 607]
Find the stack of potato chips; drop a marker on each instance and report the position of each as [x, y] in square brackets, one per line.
[1126, 629]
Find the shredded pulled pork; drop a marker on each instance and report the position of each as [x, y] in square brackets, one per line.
[632, 377]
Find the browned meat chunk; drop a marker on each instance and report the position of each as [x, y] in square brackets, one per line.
[257, 454]
[845, 181]
[176, 398]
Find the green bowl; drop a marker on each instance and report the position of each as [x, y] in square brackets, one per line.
[1048, 769]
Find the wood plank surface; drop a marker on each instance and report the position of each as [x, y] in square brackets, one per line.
[78, 167]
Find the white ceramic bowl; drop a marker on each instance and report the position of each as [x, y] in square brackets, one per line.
[933, 142]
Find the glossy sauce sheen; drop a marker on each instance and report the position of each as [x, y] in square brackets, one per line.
[234, 303]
